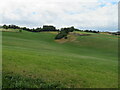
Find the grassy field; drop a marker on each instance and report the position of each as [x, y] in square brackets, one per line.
[36, 60]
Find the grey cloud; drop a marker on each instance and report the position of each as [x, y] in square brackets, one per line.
[80, 15]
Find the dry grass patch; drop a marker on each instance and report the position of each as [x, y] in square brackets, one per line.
[69, 39]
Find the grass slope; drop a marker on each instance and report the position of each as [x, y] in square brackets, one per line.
[85, 62]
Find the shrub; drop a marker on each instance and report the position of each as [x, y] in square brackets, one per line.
[60, 35]
[64, 32]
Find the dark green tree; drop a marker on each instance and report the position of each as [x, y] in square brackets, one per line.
[5, 26]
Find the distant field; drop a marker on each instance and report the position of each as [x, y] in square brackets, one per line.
[36, 60]
[9, 30]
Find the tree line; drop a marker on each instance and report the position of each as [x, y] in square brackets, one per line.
[38, 29]
[44, 28]
[62, 33]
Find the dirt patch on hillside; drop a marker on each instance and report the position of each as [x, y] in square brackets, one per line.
[69, 39]
[78, 34]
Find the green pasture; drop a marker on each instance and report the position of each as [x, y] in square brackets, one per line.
[36, 60]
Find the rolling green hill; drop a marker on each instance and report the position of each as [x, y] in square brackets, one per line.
[36, 60]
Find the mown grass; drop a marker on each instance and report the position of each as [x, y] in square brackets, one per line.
[87, 62]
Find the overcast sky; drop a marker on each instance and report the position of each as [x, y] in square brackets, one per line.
[83, 14]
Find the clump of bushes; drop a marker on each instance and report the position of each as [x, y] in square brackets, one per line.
[60, 35]
[64, 32]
